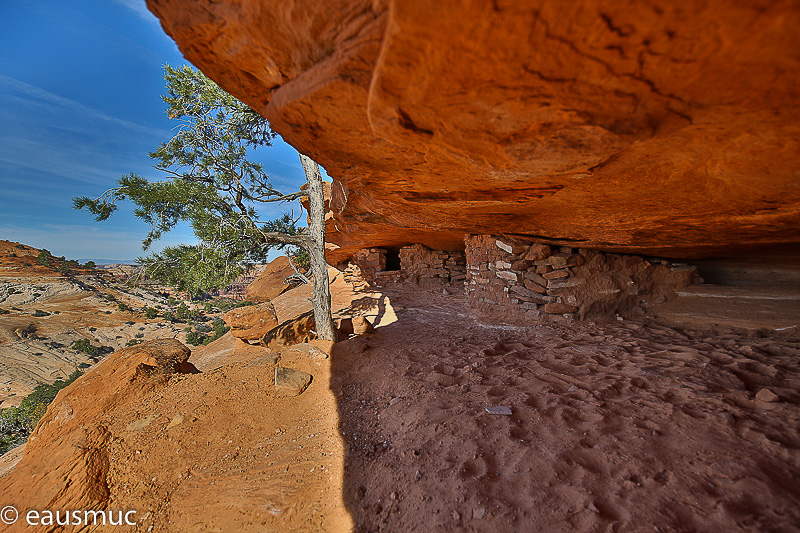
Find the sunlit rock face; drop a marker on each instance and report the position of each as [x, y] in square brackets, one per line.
[659, 127]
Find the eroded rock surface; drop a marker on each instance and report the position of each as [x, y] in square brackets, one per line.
[66, 461]
[656, 127]
[251, 322]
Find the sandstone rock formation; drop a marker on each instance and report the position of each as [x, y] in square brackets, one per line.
[251, 322]
[270, 283]
[74, 475]
[653, 126]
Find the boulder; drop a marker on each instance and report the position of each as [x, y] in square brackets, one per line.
[270, 283]
[357, 325]
[291, 382]
[66, 461]
[251, 322]
[294, 331]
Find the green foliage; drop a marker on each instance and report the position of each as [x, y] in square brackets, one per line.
[63, 268]
[40, 313]
[194, 338]
[4, 311]
[44, 258]
[300, 259]
[150, 312]
[210, 183]
[123, 307]
[85, 346]
[90, 265]
[19, 246]
[208, 308]
[111, 298]
[202, 328]
[134, 342]
[17, 423]
[226, 304]
[182, 312]
[169, 316]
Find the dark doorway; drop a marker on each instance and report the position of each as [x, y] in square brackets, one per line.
[392, 259]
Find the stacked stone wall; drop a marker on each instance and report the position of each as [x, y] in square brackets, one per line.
[515, 278]
[426, 267]
[418, 264]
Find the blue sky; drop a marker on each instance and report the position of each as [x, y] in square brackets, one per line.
[80, 86]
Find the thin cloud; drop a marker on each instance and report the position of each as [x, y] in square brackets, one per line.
[140, 8]
[36, 92]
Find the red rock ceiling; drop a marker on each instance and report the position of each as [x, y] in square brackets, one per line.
[660, 127]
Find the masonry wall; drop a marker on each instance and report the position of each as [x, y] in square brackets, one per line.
[418, 264]
[514, 278]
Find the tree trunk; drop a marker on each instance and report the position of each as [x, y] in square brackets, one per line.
[316, 251]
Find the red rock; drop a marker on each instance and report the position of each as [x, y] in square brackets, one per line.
[556, 274]
[251, 322]
[357, 325]
[294, 331]
[520, 264]
[66, 461]
[535, 287]
[270, 283]
[766, 395]
[543, 119]
[538, 251]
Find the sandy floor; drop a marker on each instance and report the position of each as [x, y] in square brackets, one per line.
[618, 426]
[623, 426]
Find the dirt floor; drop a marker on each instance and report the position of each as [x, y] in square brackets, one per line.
[631, 425]
[617, 426]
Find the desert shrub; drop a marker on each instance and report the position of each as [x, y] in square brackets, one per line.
[202, 328]
[40, 313]
[194, 338]
[182, 311]
[55, 345]
[150, 312]
[93, 329]
[169, 316]
[4, 311]
[12, 290]
[17, 423]
[123, 307]
[20, 246]
[226, 304]
[133, 342]
[139, 336]
[90, 265]
[44, 258]
[111, 298]
[208, 307]
[219, 327]
[130, 322]
[85, 346]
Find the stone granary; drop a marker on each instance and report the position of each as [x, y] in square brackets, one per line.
[515, 278]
